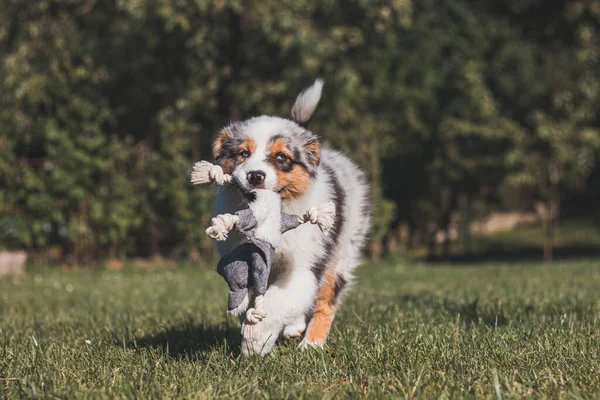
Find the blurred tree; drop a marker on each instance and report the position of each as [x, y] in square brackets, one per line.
[450, 138]
[548, 85]
[105, 105]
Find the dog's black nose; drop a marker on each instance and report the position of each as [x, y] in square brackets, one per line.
[256, 177]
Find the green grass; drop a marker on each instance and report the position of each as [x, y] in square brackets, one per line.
[574, 232]
[575, 239]
[442, 331]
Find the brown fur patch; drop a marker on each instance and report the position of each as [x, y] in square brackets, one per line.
[323, 313]
[234, 158]
[228, 165]
[281, 271]
[218, 143]
[292, 184]
[247, 144]
[279, 146]
[292, 179]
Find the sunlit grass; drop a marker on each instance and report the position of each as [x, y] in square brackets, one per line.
[406, 330]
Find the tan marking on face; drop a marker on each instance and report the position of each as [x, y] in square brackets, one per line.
[248, 144]
[292, 179]
[217, 146]
[228, 164]
[279, 146]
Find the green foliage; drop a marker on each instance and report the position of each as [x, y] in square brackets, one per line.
[104, 106]
[409, 331]
[556, 138]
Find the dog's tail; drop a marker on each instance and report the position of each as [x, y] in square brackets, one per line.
[306, 103]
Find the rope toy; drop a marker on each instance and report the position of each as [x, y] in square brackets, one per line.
[323, 217]
[205, 172]
[262, 223]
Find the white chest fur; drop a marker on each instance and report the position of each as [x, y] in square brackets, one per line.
[267, 211]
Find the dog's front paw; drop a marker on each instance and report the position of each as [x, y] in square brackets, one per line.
[260, 346]
[310, 344]
[295, 330]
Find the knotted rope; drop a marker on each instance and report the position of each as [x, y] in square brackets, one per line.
[323, 217]
[205, 172]
[251, 327]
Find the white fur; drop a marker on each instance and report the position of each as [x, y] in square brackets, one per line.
[266, 209]
[307, 102]
[261, 130]
[295, 330]
[241, 309]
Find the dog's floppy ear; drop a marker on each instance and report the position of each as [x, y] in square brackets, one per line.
[313, 151]
[219, 140]
[306, 103]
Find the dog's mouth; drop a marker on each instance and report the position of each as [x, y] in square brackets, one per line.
[249, 194]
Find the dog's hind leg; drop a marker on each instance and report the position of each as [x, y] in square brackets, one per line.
[328, 299]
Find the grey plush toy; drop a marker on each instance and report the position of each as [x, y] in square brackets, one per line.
[247, 267]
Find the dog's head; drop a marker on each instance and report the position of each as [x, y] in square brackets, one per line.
[273, 153]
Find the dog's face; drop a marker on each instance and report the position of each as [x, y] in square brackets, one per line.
[273, 153]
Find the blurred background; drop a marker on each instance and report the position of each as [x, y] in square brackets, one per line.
[477, 121]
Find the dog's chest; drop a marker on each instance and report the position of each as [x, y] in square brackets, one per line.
[302, 245]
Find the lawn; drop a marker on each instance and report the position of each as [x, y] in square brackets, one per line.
[407, 330]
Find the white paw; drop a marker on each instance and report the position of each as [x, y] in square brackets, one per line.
[258, 346]
[306, 344]
[292, 334]
[294, 331]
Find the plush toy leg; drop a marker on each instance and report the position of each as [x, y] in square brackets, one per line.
[251, 328]
[241, 309]
[258, 335]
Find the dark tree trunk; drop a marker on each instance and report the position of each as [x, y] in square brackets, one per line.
[154, 236]
[446, 243]
[466, 226]
[548, 212]
[431, 242]
[376, 250]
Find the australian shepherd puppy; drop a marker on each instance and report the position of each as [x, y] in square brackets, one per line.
[312, 271]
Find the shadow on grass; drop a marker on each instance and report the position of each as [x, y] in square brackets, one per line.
[187, 341]
[470, 313]
[517, 252]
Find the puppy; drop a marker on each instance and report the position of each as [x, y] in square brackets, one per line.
[312, 271]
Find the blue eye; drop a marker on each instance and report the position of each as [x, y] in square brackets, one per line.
[281, 157]
[245, 153]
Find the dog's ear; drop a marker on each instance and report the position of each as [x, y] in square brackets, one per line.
[313, 151]
[306, 103]
[218, 143]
